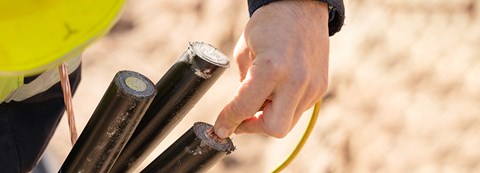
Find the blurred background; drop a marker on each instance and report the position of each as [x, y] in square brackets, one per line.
[404, 89]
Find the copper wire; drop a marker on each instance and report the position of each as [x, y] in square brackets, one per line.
[67, 99]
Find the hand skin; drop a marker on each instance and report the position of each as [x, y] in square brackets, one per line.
[282, 56]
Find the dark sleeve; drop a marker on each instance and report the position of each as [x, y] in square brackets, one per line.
[336, 12]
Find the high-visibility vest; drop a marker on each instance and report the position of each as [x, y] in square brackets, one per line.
[38, 35]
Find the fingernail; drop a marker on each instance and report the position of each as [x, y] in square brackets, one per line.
[222, 132]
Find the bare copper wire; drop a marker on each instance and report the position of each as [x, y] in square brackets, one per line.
[67, 99]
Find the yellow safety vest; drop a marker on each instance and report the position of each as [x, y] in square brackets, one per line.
[38, 35]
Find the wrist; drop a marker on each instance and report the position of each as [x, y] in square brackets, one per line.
[313, 11]
[336, 12]
[253, 5]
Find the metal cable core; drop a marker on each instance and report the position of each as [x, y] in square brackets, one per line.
[67, 99]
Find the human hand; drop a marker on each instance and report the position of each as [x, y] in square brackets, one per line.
[283, 61]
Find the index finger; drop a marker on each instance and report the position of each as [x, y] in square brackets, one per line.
[251, 95]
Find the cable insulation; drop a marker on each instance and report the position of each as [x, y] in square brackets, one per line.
[303, 140]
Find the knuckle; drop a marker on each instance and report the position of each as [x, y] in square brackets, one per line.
[322, 86]
[277, 131]
[274, 69]
[300, 79]
[319, 86]
[236, 110]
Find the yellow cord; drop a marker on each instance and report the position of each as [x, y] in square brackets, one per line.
[303, 140]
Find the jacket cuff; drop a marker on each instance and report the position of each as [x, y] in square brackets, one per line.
[336, 12]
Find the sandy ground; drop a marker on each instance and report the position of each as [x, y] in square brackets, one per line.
[403, 96]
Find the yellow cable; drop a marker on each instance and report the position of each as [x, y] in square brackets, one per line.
[303, 140]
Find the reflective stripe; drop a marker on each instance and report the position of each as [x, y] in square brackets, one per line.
[42, 83]
[8, 84]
